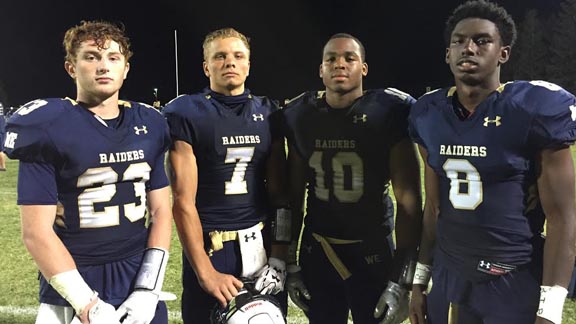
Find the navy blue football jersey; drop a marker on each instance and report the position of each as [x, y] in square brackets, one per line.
[231, 146]
[2, 132]
[348, 152]
[97, 175]
[489, 206]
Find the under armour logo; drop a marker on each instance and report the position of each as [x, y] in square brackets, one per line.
[484, 264]
[495, 121]
[573, 110]
[359, 118]
[246, 237]
[258, 117]
[138, 130]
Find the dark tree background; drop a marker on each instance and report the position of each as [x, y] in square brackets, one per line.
[546, 47]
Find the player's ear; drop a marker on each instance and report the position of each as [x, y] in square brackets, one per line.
[70, 69]
[126, 70]
[364, 69]
[248, 73]
[447, 57]
[205, 68]
[320, 72]
[504, 54]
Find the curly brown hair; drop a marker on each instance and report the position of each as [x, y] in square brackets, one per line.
[99, 31]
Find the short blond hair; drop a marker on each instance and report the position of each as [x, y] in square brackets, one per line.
[224, 33]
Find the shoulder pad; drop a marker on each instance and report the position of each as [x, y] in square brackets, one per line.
[144, 107]
[40, 111]
[175, 101]
[305, 97]
[399, 94]
[26, 137]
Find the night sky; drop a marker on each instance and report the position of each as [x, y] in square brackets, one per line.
[403, 41]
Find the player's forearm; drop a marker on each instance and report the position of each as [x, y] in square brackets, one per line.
[49, 253]
[405, 175]
[408, 221]
[277, 175]
[279, 251]
[428, 238]
[558, 254]
[191, 236]
[296, 194]
[430, 212]
[39, 238]
[161, 218]
[557, 194]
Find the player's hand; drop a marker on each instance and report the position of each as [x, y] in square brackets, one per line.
[138, 308]
[393, 304]
[418, 305]
[271, 278]
[222, 286]
[296, 288]
[98, 312]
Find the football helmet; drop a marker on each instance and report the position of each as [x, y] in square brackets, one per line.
[249, 307]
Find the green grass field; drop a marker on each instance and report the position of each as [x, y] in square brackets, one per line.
[18, 277]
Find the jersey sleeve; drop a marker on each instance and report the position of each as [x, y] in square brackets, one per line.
[37, 184]
[416, 112]
[554, 115]
[26, 135]
[158, 178]
[400, 106]
[275, 122]
[181, 126]
[2, 132]
[289, 116]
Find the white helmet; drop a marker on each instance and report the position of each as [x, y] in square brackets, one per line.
[249, 308]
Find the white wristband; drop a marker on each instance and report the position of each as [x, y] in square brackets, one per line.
[422, 274]
[552, 303]
[72, 287]
[152, 270]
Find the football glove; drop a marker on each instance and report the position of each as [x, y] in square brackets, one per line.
[393, 304]
[72, 287]
[296, 288]
[271, 278]
[100, 313]
[140, 306]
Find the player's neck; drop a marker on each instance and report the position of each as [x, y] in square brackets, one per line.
[470, 96]
[105, 109]
[338, 100]
[236, 91]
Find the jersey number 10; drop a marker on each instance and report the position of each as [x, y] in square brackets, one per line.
[339, 163]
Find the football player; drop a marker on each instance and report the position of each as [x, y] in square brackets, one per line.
[498, 164]
[345, 146]
[228, 163]
[91, 176]
[2, 135]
